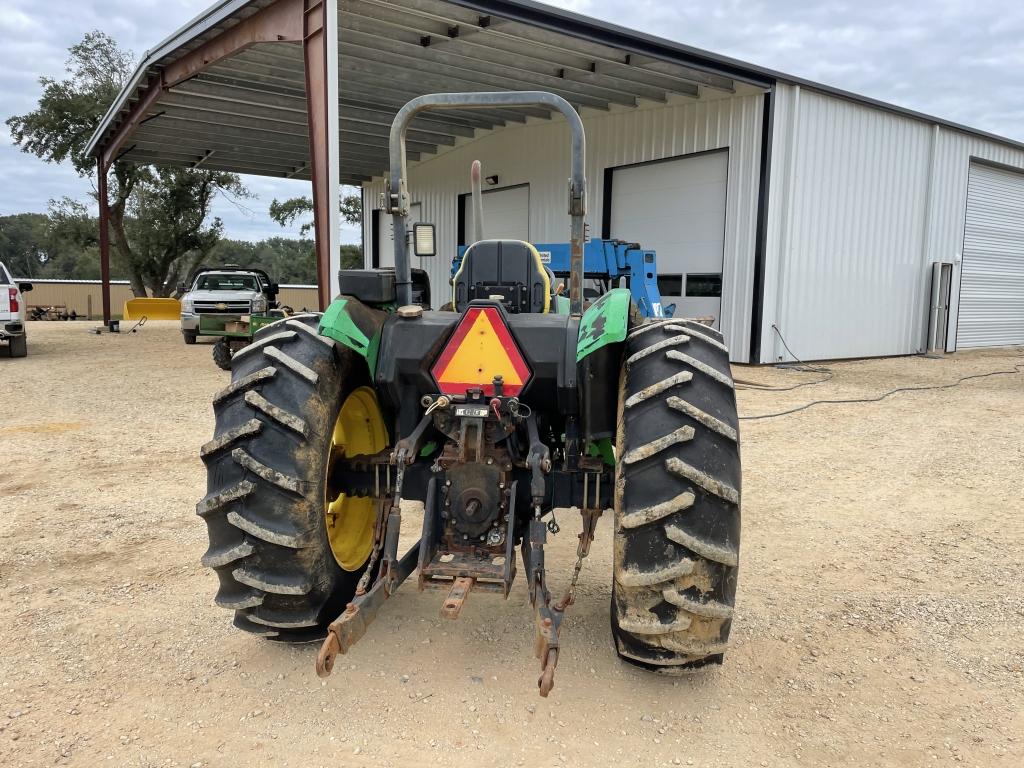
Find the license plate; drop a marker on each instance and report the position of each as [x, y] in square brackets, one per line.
[472, 411]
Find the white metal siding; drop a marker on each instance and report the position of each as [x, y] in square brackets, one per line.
[538, 153]
[385, 235]
[992, 277]
[862, 201]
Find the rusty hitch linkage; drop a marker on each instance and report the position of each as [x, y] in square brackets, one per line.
[351, 625]
[344, 631]
[549, 616]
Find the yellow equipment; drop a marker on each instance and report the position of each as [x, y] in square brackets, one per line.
[154, 309]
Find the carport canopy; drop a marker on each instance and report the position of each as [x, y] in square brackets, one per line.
[307, 89]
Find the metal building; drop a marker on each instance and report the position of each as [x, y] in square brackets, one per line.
[772, 202]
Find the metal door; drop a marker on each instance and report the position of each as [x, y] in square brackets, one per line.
[677, 208]
[992, 271]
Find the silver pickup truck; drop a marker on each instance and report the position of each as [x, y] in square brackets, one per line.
[12, 313]
[226, 291]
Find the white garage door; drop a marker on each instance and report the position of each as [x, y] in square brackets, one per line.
[992, 272]
[506, 214]
[677, 208]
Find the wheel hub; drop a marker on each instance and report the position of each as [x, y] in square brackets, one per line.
[358, 431]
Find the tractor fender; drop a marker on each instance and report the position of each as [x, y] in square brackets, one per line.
[354, 325]
[602, 334]
[606, 322]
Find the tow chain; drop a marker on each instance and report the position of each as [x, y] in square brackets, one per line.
[549, 616]
[586, 538]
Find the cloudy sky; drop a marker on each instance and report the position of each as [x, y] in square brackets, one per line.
[962, 60]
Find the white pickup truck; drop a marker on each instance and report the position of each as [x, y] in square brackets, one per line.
[12, 313]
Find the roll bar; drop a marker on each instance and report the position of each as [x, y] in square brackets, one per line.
[397, 193]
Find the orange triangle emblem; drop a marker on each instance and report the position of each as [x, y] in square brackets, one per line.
[481, 348]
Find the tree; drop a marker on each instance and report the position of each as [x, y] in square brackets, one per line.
[158, 217]
[23, 243]
[61, 243]
[351, 208]
[72, 241]
[167, 226]
[286, 212]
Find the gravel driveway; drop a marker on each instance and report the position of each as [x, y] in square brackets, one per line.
[880, 612]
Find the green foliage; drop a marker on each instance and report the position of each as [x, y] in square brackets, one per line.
[158, 216]
[351, 257]
[70, 110]
[286, 212]
[23, 243]
[62, 246]
[58, 245]
[287, 261]
[167, 225]
[72, 241]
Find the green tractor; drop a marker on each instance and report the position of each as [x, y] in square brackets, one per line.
[493, 415]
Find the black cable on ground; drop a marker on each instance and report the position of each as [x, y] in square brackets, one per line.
[1017, 368]
[801, 366]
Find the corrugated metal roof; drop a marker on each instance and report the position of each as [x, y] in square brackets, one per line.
[247, 113]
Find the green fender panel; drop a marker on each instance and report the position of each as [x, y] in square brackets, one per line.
[604, 449]
[604, 323]
[354, 325]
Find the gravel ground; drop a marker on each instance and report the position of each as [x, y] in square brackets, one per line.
[880, 618]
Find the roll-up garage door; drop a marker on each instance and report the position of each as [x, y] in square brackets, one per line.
[506, 214]
[991, 310]
[676, 207]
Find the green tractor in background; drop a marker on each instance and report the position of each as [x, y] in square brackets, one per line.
[492, 415]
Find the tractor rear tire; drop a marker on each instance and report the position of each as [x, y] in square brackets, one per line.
[19, 346]
[677, 498]
[266, 475]
[222, 354]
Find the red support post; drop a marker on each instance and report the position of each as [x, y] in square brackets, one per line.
[101, 185]
[314, 50]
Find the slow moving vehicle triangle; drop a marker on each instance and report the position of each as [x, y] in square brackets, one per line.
[480, 349]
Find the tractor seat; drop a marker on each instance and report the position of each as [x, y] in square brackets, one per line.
[511, 269]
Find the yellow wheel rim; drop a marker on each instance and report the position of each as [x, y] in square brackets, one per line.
[358, 431]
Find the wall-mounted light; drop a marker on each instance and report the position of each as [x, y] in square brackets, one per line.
[492, 180]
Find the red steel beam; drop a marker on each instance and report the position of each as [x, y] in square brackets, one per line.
[138, 113]
[281, 22]
[290, 21]
[277, 23]
[314, 50]
[101, 184]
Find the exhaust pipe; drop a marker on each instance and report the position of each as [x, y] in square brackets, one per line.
[475, 173]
